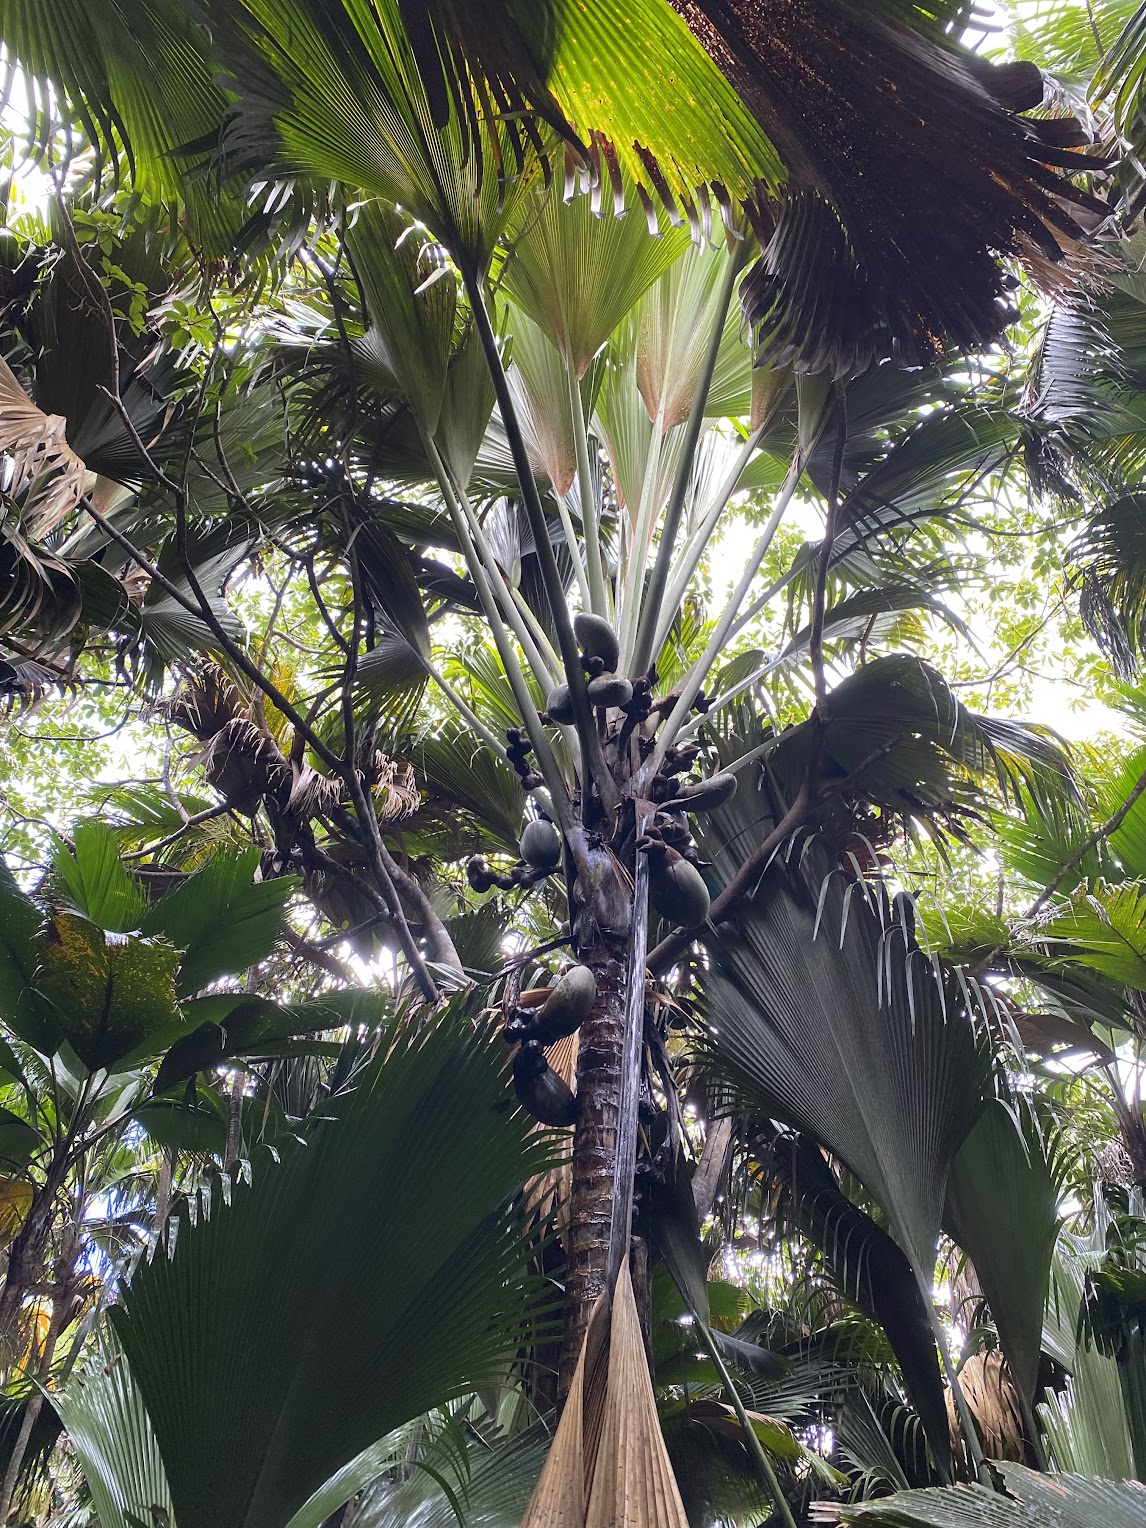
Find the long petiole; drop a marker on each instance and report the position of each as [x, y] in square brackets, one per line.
[506, 596]
[469, 716]
[697, 543]
[598, 599]
[717, 642]
[590, 744]
[638, 550]
[574, 551]
[531, 720]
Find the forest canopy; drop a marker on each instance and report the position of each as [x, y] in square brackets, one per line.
[572, 763]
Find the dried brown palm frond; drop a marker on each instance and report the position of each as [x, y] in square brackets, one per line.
[608, 1463]
[313, 794]
[549, 1192]
[911, 172]
[994, 1404]
[243, 765]
[205, 702]
[41, 462]
[396, 792]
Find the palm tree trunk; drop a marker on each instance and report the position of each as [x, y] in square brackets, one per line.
[234, 1120]
[28, 1249]
[61, 1309]
[599, 1054]
[610, 935]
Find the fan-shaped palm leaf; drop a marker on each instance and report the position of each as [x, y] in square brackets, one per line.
[406, 1290]
[108, 1426]
[1031, 1501]
[1002, 1209]
[823, 1012]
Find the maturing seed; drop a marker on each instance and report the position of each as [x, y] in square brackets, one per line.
[678, 892]
[597, 638]
[560, 705]
[567, 1006]
[540, 844]
[609, 690]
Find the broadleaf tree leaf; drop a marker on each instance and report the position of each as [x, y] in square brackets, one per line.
[21, 923]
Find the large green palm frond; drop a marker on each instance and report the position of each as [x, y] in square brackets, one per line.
[1002, 1209]
[870, 1270]
[375, 1273]
[897, 738]
[501, 1476]
[1086, 440]
[109, 1429]
[822, 1011]
[1086, 1425]
[1120, 81]
[1030, 1501]
[832, 289]
[443, 108]
[104, 60]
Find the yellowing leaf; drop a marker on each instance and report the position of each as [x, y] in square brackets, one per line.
[108, 991]
[15, 1202]
[777, 1437]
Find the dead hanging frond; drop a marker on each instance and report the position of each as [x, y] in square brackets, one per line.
[396, 792]
[205, 702]
[42, 467]
[994, 1404]
[244, 765]
[608, 1463]
[313, 794]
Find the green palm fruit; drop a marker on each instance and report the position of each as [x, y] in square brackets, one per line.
[708, 794]
[609, 690]
[597, 638]
[677, 890]
[567, 1006]
[540, 844]
[560, 705]
[539, 1089]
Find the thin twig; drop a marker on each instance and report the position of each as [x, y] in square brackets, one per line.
[218, 810]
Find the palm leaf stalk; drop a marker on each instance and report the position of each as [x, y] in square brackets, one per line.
[570, 654]
[645, 647]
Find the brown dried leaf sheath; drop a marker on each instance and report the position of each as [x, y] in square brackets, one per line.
[608, 1446]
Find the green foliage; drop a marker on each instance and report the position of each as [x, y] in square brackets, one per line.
[219, 919]
[428, 1302]
[108, 994]
[108, 1427]
[824, 1013]
[1002, 1209]
[97, 881]
[1067, 1501]
[292, 253]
